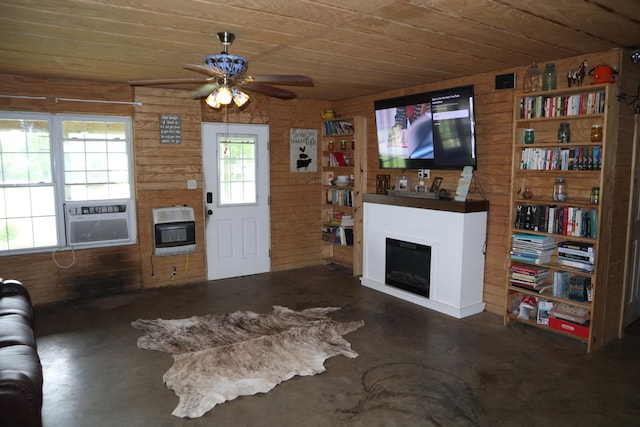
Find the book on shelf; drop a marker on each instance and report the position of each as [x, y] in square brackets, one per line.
[564, 253]
[527, 286]
[337, 159]
[544, 242]
[561, 284]
[327, 233]
[579, 288]
[564, 220]
[342, 236]
[543, 312]
[583, 246]
[342, 219]
[533, 270]
[338, 127]
[339, 197]
[538, 261]
[549, 106]
[531, 277]
[557, 158]
[570, 312]
[580, 265]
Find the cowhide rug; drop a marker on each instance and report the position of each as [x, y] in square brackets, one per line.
[218, 358]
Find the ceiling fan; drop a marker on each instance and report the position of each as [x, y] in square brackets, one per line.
[226, 80]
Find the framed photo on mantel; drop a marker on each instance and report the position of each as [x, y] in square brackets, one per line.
[403, 183]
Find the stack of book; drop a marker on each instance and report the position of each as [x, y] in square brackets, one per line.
[529, 277]
[572, 313]
[577, 255]
[531, 248]
[342, 219]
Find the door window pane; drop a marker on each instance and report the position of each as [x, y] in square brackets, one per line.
[237, 170]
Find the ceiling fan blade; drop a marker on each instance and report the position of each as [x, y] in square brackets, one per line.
[267, 90]
[282, 79]
[205, 90]
[167, 81]
[205, 69]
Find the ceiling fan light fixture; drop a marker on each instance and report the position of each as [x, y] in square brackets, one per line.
[239, 97]
[220, 96]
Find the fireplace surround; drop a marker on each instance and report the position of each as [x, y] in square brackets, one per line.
[456, 235]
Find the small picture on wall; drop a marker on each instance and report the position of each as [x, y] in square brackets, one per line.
[403, 183]
[435, 185]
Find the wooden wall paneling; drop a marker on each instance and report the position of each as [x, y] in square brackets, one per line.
[162, 172]
[295, 213]
[95, 271]
[73, 89]
[494, 120]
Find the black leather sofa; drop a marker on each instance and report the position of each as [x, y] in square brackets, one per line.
[20, 367]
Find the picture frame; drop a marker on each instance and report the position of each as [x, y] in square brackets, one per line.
[383, 183]
[435, 185]
[403, 183]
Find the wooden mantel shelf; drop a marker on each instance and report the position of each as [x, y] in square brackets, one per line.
[424, 203]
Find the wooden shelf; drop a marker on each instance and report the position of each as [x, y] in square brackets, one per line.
[534, 323]
[539, 180]
[350, 197]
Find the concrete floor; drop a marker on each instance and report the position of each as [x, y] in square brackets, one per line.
[416, 367]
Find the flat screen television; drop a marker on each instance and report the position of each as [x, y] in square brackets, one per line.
[430, 130]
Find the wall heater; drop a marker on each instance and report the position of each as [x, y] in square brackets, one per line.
[174, 230]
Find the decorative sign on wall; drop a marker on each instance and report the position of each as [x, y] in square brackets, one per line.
[303, 148]
[170, 129]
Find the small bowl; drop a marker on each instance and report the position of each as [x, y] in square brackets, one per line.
[347, 183]
[342, 178]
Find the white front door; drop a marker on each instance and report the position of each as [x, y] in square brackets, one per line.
[236, 186]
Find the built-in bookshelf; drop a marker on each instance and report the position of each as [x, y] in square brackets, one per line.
[343, 170]
[556, 279]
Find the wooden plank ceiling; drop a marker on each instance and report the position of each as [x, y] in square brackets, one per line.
[348, 47]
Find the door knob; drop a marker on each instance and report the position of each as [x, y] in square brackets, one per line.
[209, 212]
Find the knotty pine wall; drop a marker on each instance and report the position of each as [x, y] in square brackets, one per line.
[94, 272]
[162, 173]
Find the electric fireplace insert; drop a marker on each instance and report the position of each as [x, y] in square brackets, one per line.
[408, 266]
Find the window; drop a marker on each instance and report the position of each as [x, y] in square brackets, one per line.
[59, 171]
[237, 170]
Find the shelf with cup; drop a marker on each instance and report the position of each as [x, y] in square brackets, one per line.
[560, 164]
[343, 171]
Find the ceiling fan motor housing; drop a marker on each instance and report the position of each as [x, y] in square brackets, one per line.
[230, 65]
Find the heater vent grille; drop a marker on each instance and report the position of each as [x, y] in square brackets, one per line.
[173, 214]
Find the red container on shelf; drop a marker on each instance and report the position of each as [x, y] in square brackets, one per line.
[568, 327]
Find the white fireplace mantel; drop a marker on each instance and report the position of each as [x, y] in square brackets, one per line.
[456, 232]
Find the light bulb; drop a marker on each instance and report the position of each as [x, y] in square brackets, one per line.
[212, 100]
[224, 95]
[240, 98]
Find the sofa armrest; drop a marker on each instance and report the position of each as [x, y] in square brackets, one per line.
[13, 287]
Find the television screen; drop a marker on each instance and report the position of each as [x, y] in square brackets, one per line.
[427, 130]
